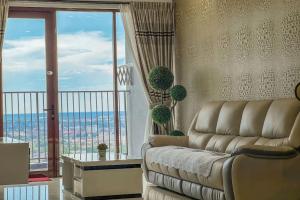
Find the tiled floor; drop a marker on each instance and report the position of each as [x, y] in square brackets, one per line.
[53, 190]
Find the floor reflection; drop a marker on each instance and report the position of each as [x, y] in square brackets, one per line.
[53, 190]
[26, 192]
[155, 193]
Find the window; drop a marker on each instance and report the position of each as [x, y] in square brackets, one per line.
[76, 108]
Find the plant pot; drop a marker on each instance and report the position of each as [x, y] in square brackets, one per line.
[102, 154]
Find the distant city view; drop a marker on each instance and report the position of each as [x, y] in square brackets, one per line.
[79, 132]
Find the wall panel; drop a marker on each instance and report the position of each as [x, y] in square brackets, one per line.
[236, 49]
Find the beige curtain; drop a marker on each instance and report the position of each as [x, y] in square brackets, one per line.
[3, 17]
[150, 29]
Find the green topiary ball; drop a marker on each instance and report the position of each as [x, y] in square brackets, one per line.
[161, 78]
[176, 133]
[161, 114]
[178, 92]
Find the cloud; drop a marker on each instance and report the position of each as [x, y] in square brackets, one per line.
[77, 53]
[21, 55]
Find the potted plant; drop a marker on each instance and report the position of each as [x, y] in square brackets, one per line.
[102, 150]
[161, 80]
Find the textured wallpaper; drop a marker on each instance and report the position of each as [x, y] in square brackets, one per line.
[236, 49]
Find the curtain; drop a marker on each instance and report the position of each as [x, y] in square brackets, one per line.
[151, 31]
[3, 17]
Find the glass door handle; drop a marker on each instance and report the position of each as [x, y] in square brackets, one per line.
[52, 111]
[49, 109]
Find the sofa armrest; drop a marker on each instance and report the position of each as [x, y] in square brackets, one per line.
[145, 148]
[249, 177]
[159, 141]
[165, 140]
[262, 151]
[262, 168]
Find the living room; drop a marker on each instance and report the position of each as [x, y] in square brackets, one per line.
[150, 99]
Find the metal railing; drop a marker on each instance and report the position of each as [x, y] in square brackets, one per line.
[86, 118]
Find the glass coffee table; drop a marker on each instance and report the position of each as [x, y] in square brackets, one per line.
[88, 177]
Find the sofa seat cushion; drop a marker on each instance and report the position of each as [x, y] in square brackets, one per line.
[194, 165]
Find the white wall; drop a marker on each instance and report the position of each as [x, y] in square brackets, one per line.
[137, 115]
[137, 108]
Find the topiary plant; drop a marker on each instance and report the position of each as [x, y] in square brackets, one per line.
[178, 92]
[161, 80]
[161, 114]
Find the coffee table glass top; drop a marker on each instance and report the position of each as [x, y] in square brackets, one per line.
[93, 158]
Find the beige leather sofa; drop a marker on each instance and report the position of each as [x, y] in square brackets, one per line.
[260, 141]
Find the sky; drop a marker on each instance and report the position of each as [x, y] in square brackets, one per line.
[84, 52]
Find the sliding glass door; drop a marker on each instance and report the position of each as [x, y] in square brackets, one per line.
[85, 74]
[61, 91]
[30, 86]
[91, 103]
[24, 86]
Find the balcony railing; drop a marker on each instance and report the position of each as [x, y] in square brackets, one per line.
[86, 118]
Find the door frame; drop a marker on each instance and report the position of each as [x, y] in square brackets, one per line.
[49, 15]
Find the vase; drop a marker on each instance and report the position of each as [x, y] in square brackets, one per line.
[102, 154]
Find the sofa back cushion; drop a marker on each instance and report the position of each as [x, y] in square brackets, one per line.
[223, 126]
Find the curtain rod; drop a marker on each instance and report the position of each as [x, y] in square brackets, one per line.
[71, 1]
[76, 4]
[86, 1]
[67, 4]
